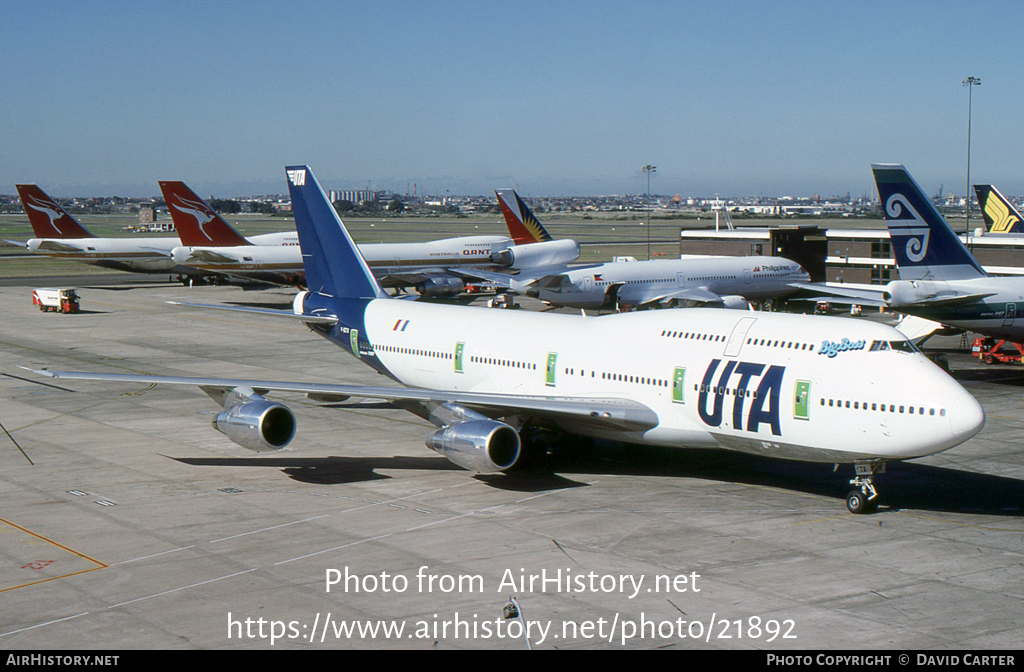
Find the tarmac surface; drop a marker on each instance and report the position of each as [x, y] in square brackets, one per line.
[139, 526]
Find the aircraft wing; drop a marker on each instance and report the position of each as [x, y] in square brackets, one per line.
[641, 296]
[521, 280]
[598, 412]
[500, 279]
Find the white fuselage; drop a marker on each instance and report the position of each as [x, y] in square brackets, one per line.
[138, 255]
[753, 278]
[1001, 314]
[792, 386]
[386, 257]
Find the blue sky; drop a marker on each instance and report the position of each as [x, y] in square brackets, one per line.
[555, 98]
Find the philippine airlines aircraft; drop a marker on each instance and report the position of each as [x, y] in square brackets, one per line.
[59, 235]
[940, 279]
[791, 386]
[215, 247]
[721, 281]
[1000, 215]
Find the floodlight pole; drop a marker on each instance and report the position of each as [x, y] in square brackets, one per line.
[649, 169]
[970, 83]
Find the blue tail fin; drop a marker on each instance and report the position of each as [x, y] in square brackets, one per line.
[522, 224]
[922, 242]
[332, 262]
[1000, 215]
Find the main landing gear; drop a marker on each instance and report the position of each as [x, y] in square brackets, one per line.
[864, 499]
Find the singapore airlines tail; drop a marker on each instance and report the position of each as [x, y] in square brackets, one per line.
[523, 226]
[48, 219]
[924, 245]
[1000, 215]
[197, 224]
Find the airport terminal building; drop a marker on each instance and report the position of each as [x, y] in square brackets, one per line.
[848, 255]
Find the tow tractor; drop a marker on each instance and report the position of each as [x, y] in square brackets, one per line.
[990, 350]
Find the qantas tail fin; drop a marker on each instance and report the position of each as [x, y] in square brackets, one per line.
[197, 224]
[48, 219]
[332, 262]
[522, 224]
[922, 242]
[1000, 215]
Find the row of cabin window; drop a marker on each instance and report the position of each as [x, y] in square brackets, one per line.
[863, 406]
[692, 336]
[413, 351]
[769, 343]
[503, 362]
[728, 391]
[639, 380]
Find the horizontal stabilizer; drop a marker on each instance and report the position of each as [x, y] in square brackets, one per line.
[311, 319]
[208, 256]
[953, 300]
[56, 246]
[863, 297]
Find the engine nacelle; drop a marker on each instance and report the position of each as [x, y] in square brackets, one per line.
[735, 302]
[532, 255]
[257, 424]
[441, 285]
[905, 292]
[483, 446]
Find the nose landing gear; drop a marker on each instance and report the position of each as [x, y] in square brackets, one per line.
[864, 499]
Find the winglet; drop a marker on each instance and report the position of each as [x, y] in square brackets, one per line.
[48, 219]
[196, 222]
[332, 262]
[1000, 215]
[922, 242]
[523, 226]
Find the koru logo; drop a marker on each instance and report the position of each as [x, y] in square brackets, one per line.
[916, 230]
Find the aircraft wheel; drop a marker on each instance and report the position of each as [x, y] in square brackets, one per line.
[856, 502]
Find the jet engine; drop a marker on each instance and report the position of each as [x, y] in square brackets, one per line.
[440, 285]
[533, 255]
[735, 302]
[478, 445]
[254, 422]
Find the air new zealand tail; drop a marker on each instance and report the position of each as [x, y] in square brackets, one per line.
[1000, 215]
[924, 245]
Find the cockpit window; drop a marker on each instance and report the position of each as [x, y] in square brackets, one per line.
[902, 346]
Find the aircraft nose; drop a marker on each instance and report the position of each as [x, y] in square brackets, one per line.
[966, 417]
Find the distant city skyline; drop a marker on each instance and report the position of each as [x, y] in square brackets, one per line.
[554, 99]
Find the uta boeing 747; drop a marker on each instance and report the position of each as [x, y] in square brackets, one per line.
[789, 386]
